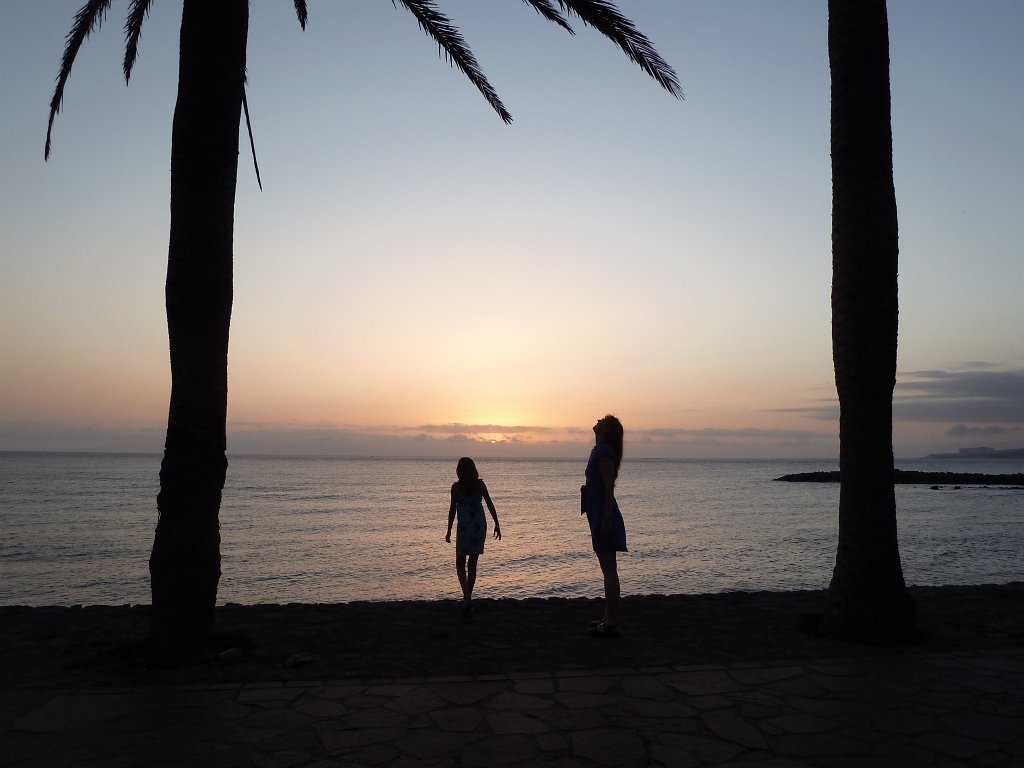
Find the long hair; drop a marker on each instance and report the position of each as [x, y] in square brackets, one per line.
[469, 478]
[614, 438]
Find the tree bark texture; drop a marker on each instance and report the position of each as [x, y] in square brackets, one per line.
[867, 596]
[185, 560]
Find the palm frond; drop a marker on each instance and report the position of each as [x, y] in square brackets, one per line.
[89, 16]
[549, 12]
[137, 13]
[603, 16]
[252, 143]
[300, 11]
[454, 49]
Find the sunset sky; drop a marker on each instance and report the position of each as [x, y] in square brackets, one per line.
[418, 278]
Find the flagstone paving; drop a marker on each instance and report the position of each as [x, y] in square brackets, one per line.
[931, 710]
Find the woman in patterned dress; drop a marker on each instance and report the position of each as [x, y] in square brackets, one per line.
[469, 493]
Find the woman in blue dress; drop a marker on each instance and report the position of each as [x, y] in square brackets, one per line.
[469, 494]
[607, 529]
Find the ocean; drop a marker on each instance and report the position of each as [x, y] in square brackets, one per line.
[77, 528]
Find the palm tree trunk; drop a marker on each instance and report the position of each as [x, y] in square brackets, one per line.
[868, 598]
[185, 561]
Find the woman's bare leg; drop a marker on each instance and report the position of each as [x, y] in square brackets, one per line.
[610, 571]
[460, 569]
[470, 578]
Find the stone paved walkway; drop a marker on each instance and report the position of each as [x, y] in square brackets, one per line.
[934, 710]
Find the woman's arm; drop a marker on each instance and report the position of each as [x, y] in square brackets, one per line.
[451, 516]
[493, 511]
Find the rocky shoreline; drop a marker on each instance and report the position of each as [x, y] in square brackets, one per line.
[88, 647]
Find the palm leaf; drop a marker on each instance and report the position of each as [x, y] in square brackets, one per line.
[300, 11]
[252, 142]
[89, 16]
[549, 12]
[137, 13]
[454, 49]
[603, 16]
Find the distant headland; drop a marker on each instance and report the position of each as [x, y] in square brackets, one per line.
[981, 453]
[901, 477]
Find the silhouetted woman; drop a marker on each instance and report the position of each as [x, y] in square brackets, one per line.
[468, 497]
[607, 529]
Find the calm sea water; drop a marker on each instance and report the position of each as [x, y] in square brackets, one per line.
[77, 528]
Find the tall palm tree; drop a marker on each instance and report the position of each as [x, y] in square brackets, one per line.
[185, 559]
[868, 599]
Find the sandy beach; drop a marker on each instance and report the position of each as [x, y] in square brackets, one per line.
[82, 647]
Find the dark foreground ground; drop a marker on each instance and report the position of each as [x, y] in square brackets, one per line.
[65, 647]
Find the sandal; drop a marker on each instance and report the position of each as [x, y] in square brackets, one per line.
[605, 630]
